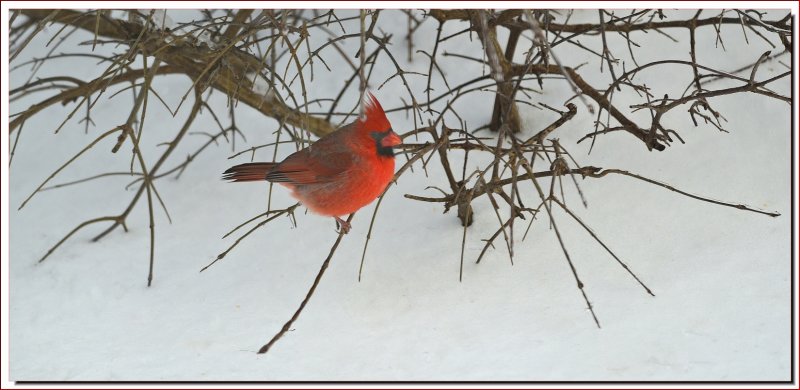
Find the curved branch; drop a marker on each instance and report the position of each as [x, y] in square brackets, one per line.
[193, 60]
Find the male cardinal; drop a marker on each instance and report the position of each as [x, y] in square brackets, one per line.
[341, 172]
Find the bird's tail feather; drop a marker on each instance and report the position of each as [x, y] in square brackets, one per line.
[249, 171]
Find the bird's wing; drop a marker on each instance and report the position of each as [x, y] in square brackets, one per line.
[308, 167]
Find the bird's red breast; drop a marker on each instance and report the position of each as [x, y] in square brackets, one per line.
[341, 172]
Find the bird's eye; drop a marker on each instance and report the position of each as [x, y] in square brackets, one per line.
[384, 142]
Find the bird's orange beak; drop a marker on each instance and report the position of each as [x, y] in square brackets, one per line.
[391, 139]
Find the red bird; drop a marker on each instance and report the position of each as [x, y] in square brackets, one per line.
[341, 172]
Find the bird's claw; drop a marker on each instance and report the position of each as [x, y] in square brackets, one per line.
[342, 226]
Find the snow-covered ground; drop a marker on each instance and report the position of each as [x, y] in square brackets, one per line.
[722, 277]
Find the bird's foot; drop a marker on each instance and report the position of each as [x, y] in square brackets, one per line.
[342, 225]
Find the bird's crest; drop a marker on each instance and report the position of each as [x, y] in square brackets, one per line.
[374, 117]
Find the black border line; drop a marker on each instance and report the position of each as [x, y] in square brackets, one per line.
[794, 279]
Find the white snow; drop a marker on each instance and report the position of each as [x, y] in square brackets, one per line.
[721, 276]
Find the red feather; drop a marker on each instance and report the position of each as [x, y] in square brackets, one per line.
[374, 116]
[341, 172]
[248, 172]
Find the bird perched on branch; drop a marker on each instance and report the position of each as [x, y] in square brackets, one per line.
[341, 172]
